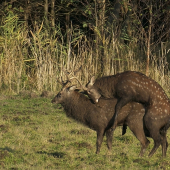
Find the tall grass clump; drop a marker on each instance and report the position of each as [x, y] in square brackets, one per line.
[34, 58]
[12, 67]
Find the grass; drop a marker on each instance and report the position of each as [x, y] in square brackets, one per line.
[34, 134]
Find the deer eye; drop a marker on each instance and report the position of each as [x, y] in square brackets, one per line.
[88, 92]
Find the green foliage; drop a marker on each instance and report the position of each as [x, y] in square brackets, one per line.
[11, 29]
[84, 24]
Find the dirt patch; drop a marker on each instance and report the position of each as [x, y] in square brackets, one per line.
[80, 145]
[3, 154]
[80, 132]
[164, 164]
[54, 154]
[57, 154]
[19, 118]
[13, 169]
[4, 128]
[142, 162]
[28, 94]
[47, 94]
[5, 117]
[125, 139]
[2, 97]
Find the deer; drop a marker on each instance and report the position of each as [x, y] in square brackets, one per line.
[132, 86]
[97, 117]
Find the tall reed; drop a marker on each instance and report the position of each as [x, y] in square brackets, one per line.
[34, 60]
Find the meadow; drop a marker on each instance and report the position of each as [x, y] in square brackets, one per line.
[37, 135]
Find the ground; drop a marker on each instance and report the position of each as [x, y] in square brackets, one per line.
[35, 134]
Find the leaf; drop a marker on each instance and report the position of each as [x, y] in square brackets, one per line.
[84, 24]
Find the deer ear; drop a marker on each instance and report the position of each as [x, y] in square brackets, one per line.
[72, 88]
[92, 81]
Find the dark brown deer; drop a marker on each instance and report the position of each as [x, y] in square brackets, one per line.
[97, 117]
[135, 86]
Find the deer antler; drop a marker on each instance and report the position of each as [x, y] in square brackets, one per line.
[67, 73]
[83, 87]
[62, 82]
[71, 72]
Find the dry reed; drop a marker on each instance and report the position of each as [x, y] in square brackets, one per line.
[35, 62]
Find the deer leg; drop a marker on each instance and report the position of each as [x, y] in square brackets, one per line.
[164, 148]
[155, 135]
[143, 148]
[99, 141]
[121, 102]
[164, 143]
[154, 125]
[143, 140]
[156, 146]
[159, 138]
[163, 132]
[137, 129]
[109, 136]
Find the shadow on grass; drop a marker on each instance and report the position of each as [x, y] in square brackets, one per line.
[7, 149]
[4, 152]
[142, 162]
[54, 154]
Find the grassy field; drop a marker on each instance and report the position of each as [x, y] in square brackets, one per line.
[34, 134]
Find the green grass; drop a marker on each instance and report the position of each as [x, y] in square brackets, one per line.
[34, 134]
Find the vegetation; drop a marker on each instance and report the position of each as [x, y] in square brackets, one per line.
[38, 39]
[34, 134]
[41, 39]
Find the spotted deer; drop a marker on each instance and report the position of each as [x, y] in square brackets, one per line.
[135, 86]
[97, 117]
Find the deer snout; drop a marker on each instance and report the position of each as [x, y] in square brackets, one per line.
[97, 100]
